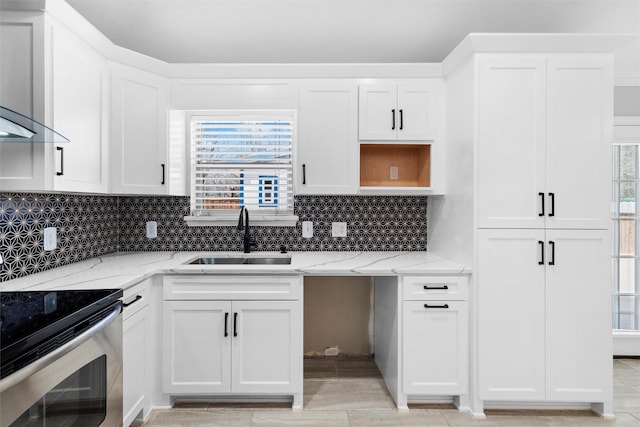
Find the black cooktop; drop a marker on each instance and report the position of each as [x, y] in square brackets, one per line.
[35, 323]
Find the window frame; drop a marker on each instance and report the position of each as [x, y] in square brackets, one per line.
[217, 217]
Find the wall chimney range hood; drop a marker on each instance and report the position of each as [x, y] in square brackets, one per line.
[15, 127]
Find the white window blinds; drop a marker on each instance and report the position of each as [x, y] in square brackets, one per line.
[241, 161]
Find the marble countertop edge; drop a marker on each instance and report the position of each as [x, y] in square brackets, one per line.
[125, 269]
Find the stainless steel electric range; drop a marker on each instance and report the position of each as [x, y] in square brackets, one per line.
[61, 358]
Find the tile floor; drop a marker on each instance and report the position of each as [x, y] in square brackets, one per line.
[352, 393]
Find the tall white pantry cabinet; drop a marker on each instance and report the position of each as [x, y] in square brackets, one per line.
[532, 152]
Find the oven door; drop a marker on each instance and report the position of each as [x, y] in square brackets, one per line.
[78, 384]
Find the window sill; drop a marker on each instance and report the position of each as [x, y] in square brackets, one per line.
[254, 220]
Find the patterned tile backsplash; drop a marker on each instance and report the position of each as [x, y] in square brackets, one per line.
[90, 226]
[87, 226]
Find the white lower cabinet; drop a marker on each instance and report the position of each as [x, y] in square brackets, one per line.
[435, 347]
[243, 346]
[435, 325]
[543, 332]
[135, 353]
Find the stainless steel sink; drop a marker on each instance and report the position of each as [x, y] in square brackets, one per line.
[241, 260]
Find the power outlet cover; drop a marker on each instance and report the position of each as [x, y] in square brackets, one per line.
[152, 229]
[339, 229]
[307, 229]
[50, 238]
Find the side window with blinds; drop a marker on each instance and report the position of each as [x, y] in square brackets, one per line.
[242, 160]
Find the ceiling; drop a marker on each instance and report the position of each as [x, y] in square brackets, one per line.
[336, 31]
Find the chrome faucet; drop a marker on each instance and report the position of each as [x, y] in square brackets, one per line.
[247, 242]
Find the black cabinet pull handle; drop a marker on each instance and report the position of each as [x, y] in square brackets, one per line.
[427, 287]
[541, 243]
[162, 174]
[553, 252]
[553, 204]
[226, 320]
[136, 299]
[541, 204]
[304, 174]
[401, 120]
[235, 324]
[436, 306]
[61, 150]
[393, 119]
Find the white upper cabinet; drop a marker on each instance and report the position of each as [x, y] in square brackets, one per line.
[50, 74]
[327, 144]
[402, 112]
[139, 123]
[80, 113]
[543, 129]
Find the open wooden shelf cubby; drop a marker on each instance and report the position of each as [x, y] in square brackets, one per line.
[413, 163]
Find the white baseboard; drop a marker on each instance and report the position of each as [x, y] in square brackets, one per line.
[626, 343]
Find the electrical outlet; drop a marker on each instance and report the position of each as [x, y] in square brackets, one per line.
[152, 229]
[50, 238]
[307, 229]
[1, 260]
[338, 229]
[393, 172]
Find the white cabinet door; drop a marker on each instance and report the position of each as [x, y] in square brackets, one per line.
[267, 349]
[578, 315]
[50, 74]
[327, 141]
[378, 112]
[197, 347]
[435, 347]
[139, 132]
[416, 113]
[80, 113]
[579, 133]
[22, 165]
[511, 141]
[403, 112]
[135, 360]
[511, 315]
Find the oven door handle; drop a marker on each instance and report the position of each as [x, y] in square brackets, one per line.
[56, 354]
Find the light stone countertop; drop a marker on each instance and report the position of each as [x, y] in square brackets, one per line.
[125, 269]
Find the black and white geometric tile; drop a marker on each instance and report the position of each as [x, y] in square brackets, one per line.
[375, 223]
[90, 225]
[87, 226]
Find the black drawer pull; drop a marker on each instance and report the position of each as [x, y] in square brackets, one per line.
[428, 288]
[136, 299]
[393, 119]
[541, 213]
[436, 306]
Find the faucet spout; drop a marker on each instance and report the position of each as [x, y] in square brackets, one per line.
[243, 222]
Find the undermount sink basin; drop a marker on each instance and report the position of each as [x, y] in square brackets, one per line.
[241, 260]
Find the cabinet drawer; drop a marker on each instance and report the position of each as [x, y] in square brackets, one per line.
[232, 287]
[435, 287]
